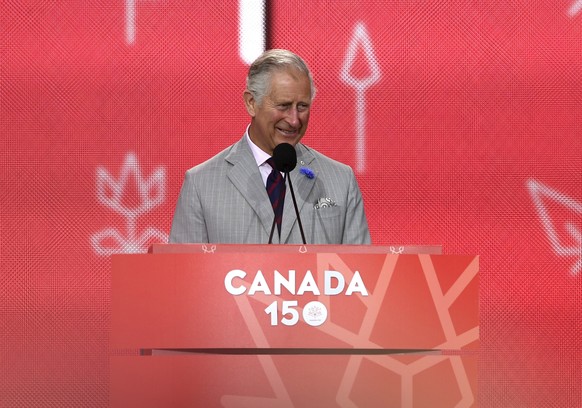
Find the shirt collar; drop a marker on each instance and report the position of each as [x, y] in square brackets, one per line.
[259, 155]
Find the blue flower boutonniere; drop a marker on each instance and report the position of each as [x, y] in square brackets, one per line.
[307, 172]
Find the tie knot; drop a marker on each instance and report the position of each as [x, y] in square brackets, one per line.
[271, 162]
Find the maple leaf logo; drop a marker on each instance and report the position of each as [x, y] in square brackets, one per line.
[117, 195]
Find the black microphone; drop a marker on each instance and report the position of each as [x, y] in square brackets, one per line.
[285, 158]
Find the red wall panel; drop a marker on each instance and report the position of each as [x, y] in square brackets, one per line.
[471, 139]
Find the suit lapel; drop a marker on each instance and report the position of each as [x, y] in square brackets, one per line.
[246, 178]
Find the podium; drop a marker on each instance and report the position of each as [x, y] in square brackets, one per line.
[294, 326]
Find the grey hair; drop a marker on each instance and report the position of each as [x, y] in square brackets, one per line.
[259, 76]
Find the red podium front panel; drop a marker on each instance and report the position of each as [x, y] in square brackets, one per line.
[302, 381]
[259, 325]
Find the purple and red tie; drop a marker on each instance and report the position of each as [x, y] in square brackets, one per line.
[276, 191]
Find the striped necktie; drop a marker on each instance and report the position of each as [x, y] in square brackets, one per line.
[276, 192]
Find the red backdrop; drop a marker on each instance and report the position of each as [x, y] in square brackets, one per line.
[462, 120]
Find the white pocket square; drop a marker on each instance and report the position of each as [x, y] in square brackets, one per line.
[324, 202]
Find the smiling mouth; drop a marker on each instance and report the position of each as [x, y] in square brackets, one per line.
[288, 133]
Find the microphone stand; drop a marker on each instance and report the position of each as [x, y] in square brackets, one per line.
[296, 209]
[272, 230]
[285, 176]
[275, 218]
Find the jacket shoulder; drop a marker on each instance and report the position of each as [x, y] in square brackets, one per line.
[214, 163]
[314, 157]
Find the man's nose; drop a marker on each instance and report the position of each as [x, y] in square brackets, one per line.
[293, 116]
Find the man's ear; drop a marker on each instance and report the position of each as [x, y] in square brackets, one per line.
[249, 102]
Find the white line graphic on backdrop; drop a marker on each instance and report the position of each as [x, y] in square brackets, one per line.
[360, 38]
[575, 8]
[251, 28]
[113, 193]
[130, 21]
[539, 193]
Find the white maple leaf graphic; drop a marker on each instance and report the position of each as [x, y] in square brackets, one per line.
[113, 193]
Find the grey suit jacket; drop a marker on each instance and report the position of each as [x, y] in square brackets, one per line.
[224, 200]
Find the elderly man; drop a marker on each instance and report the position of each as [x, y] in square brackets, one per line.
[227, 198]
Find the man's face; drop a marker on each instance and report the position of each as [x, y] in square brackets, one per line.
[283, 115]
